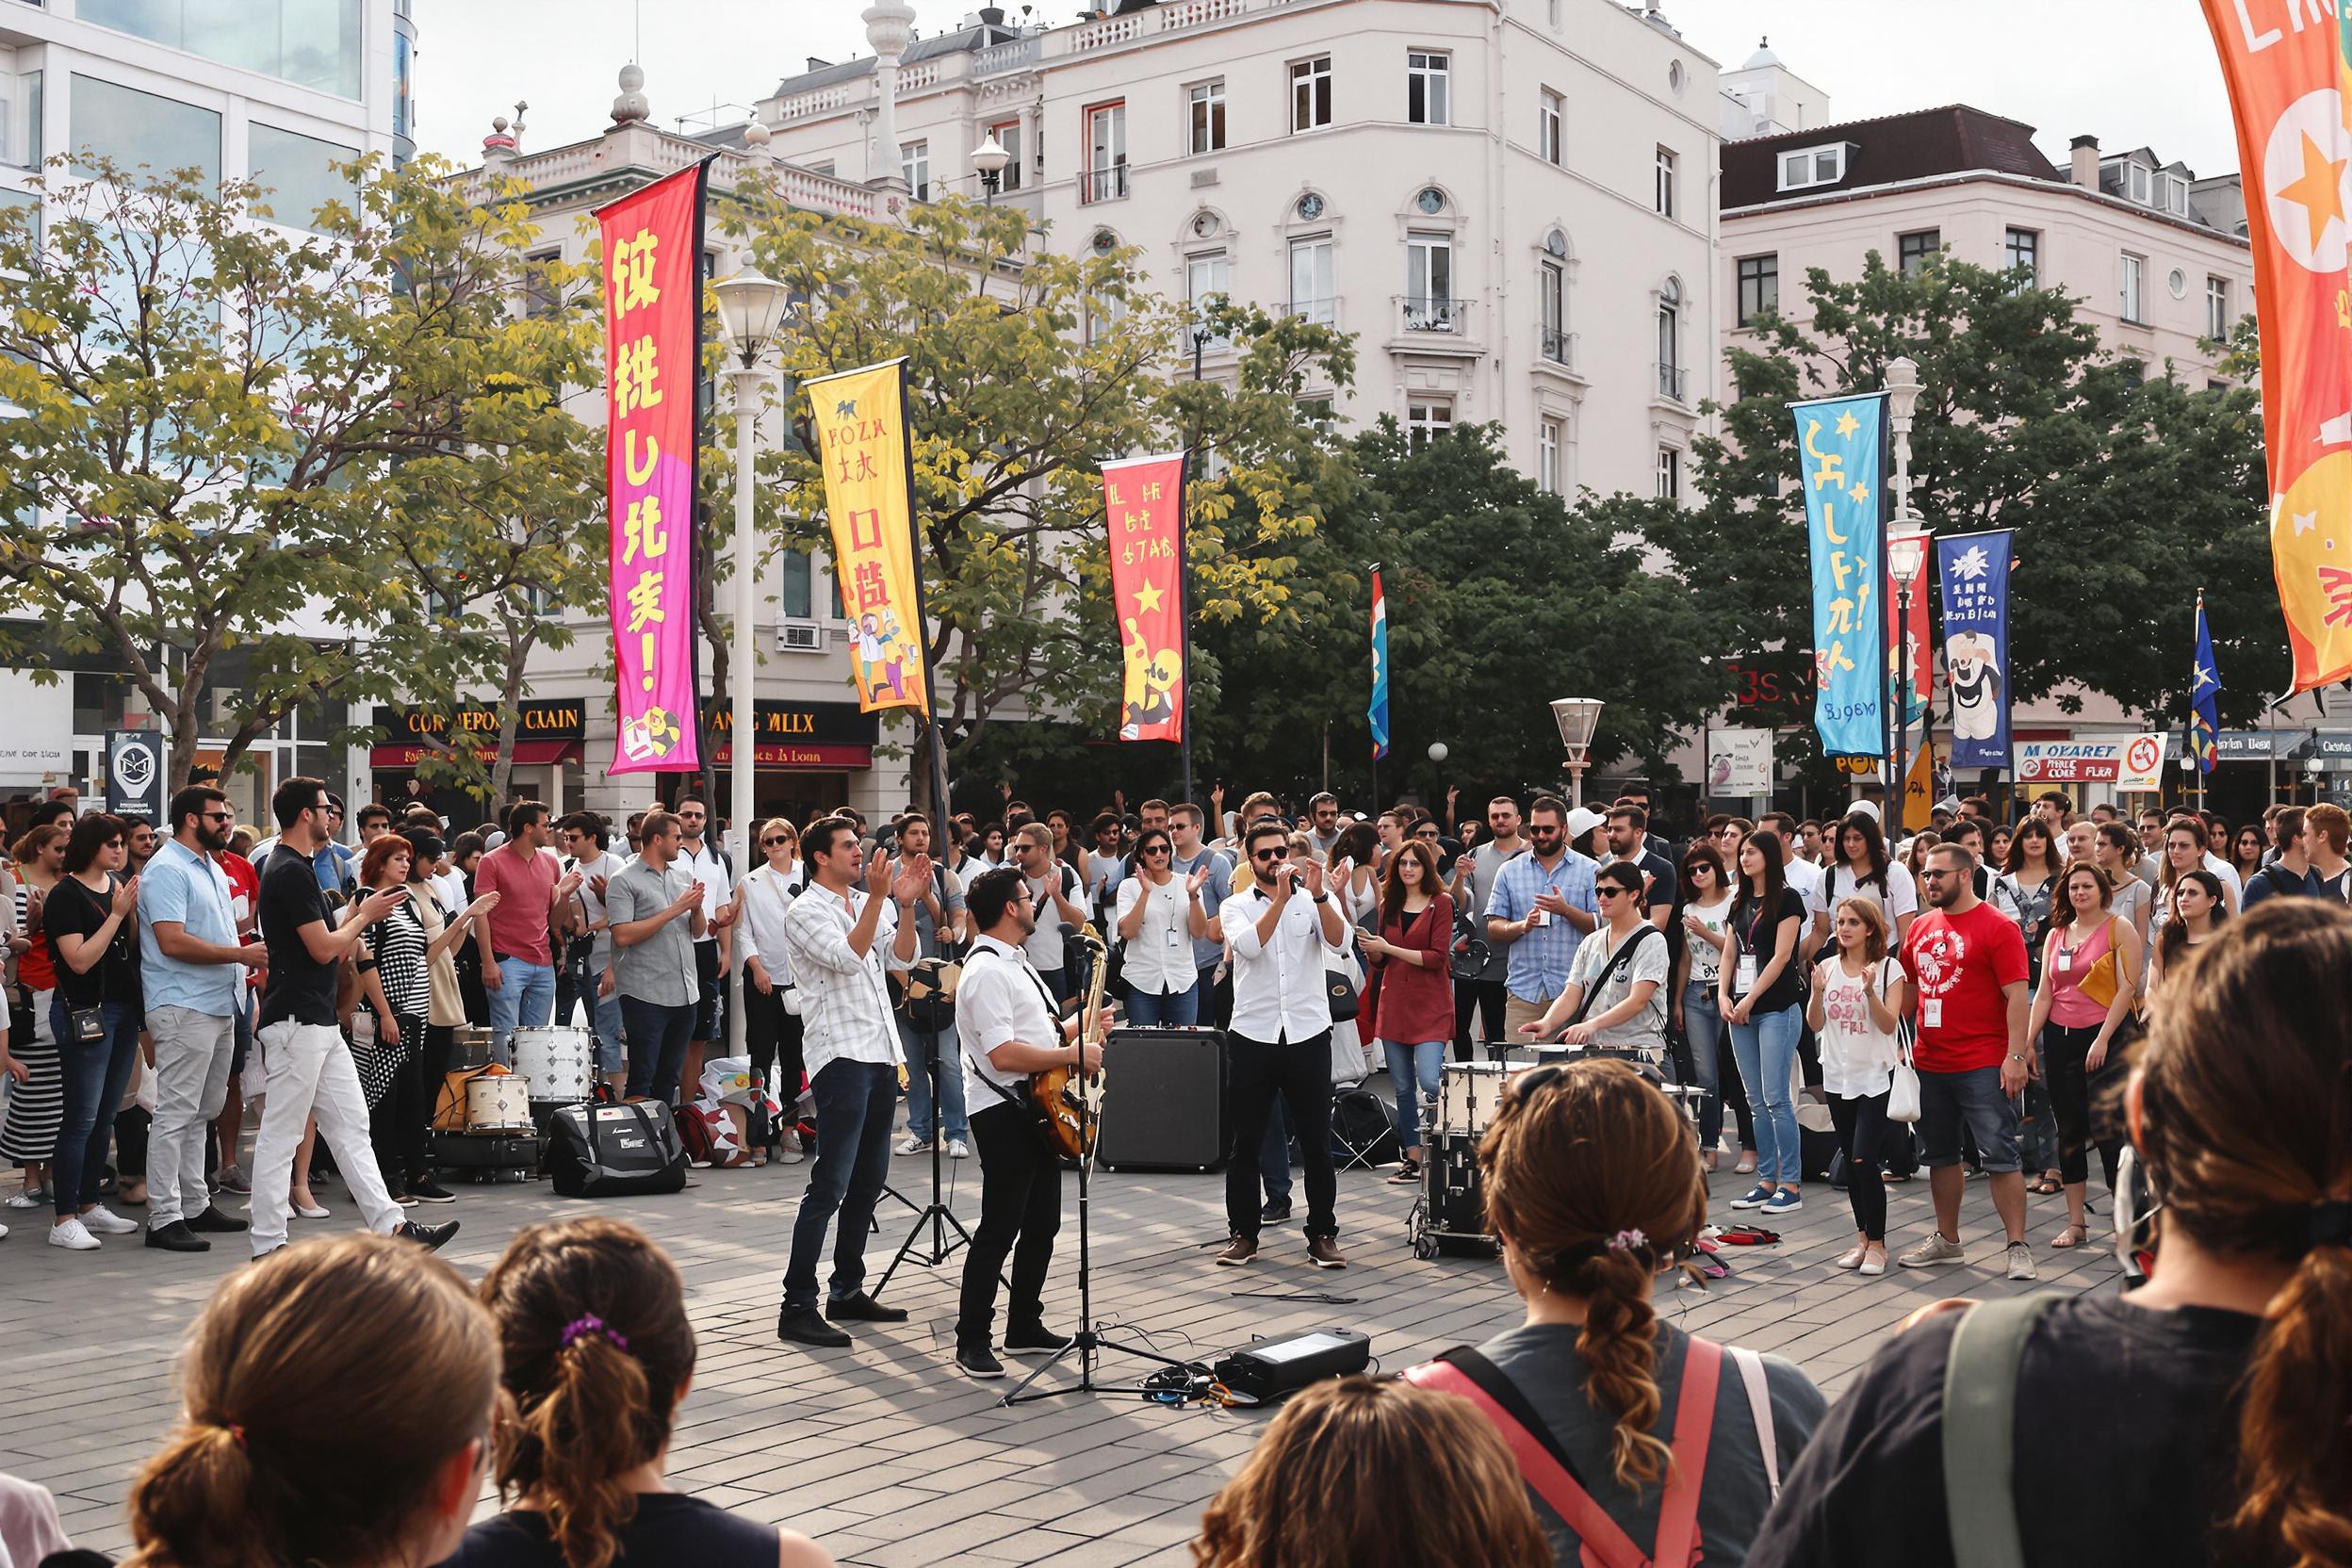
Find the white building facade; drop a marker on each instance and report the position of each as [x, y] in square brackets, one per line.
[1510, 203]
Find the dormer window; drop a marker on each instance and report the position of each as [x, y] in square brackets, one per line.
[1807, 167]
[2176, 195]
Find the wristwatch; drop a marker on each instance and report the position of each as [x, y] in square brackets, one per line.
[1322, 898]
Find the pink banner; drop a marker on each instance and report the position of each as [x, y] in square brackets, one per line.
[653, 364]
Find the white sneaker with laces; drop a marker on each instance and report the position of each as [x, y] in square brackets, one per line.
[20, 1199]
[2021, 1261]
[959, 1150]
[789, 1150]
[106, 1222]
[1934, 1249]
[73, 1235]
[914, 1143]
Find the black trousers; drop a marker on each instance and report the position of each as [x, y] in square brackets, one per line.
[1299, 1071]
[2065, 1057]
[1861, 1132]
[1484, 999]
[396, 1127]
[1021, 1213]
[775, 1037]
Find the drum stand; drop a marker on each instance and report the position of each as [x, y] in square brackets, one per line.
[1089, 1342]
[935, 1213]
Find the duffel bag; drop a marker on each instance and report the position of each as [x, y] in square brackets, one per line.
[614, 1150]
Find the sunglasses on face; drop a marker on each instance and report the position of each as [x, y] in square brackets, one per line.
[1153, 849]
[1613, 892]
[1541, 832]
[220, 816]
[1428, 838]
[771, 844]
[1271, 854]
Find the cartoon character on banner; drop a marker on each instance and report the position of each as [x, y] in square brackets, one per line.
[1159, 671]
[1976, 675]
[881, 653]
[654, 734]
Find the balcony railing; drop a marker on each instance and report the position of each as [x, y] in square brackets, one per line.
[1558, 348]
[1010, 55]
[1419, 314]
[1323, 313]
[1102, 185]
[1673, 383]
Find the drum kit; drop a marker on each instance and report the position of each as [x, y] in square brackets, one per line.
[506, 1112]
[1450, 1214]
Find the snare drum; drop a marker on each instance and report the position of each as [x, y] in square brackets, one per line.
[498, 1103]
[469, 1046]
[1469, 1094]
[560, 1062]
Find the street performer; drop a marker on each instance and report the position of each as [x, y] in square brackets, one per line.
[1006, 1019]
[1286, 932]
[836, 934]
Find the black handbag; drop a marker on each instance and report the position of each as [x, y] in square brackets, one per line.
[1342, 993]
[1471, 950]
[614, 1150]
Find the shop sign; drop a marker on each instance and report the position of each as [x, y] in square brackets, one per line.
[2129, 763]
[563, 719]
[802, 724]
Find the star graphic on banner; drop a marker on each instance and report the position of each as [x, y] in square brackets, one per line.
[1848, 424]
[1147, 599]
[2318, 192]
[2305, 522]
[2204, 678]
[1861, 493]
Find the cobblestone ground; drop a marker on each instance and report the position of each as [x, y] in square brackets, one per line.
[883, 1453]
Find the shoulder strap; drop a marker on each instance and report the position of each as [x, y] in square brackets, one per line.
[1618, 963]
[1980, 1430]
[1694, 1424]
[1760, 1407]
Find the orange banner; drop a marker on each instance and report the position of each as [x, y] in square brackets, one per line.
[2287, 73]
[1143, 502]
[860, 417]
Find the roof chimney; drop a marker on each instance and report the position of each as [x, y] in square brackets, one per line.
[2083, 169]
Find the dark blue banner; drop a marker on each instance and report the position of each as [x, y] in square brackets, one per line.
[1973, 571]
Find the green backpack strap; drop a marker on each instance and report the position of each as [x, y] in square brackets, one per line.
[1979, 1427]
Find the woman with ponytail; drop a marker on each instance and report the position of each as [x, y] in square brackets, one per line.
[337, 1412]
[592, 1319]
[1593, 1182]
[2224, 1407]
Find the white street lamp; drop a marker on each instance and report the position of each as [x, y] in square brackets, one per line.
[989, 160]
[751, 313]
[1577, 717]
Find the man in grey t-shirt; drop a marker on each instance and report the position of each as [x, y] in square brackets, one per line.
[655, 908]
[1473, 883]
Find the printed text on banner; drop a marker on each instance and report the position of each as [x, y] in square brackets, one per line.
[1973, 569]
[1840, 445]
[862, 433]
[1143, 504]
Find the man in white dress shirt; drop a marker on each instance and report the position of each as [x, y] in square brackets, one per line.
[1286, 932]
[1006, 1021]
[835, 934]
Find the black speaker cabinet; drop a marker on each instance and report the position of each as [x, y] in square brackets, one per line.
[1163, 1099]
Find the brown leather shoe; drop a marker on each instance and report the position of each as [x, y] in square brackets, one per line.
[1324, 1253]
[1239, 1251]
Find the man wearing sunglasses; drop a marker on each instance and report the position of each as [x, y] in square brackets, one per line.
[1285, 931]
[1541, 909]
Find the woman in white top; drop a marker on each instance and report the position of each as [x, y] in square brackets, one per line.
[1863, 869]
[1858, 997]
[772, 1024]
[1705, 927]
[1159, 915]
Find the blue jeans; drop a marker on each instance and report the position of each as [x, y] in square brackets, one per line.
[927, 1054]
[1412, 1064]
[1765, 1046]
[525, 1000]
[1947, 1099]
[656, 1035]
[856, 1102]
[1177, 1010]
[1702, 1025]
[95, 1077]
[611, 1032]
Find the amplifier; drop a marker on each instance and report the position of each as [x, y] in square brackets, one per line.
[1266, 1369]
[1163, 1099]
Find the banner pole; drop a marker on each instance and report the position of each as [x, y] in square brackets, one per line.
[1184, 608]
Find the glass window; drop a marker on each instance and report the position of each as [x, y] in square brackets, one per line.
[1427, 100]
[2218, 322]
[1311, 94]
[1428, 283]
[1207, 277]
[1426, 418]
[1669, 474]
[1913, 249]
[1007, 134]
[1548, 124]
[540, 296]
[1106, 152]
[2132, 275]
[301, 173]
[914, 162]
[1548, 457]
[1669, 339]
[1313, 294]
[1665, 183]
[1811, 166]
[312, 43]
[1759, 286]
[403, 85]
[1205, 106]
[20, 118]
[2138, 175]
[133, 128]
[2023, 254]
[797, 603]
[1551, 299]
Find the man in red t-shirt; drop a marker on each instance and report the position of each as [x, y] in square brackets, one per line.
[1966, 965]
[517, 960]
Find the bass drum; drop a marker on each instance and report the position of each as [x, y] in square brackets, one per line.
[560, 1063]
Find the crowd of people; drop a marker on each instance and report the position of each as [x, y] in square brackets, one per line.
[1978, 998]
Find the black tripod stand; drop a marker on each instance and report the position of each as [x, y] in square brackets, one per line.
[935, 1213]
[1088, 1342]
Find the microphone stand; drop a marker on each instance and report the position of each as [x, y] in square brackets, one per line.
[935, 1213]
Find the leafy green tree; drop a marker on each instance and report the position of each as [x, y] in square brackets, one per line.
[203, 411]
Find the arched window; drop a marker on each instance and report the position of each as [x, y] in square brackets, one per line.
[1669, 339]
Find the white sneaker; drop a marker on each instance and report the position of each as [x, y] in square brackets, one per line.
[1934, 1249]
[2021, 1261]
[959, 1150]
[3, 1232]
[914, 1144]
[20, 1199]
[789, 1149]
[73, 1235]
[109, 1223]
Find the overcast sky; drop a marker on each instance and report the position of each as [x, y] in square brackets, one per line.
[2132, 74]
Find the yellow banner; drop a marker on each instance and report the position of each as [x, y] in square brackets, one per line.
[869, 495]
[1919, 790]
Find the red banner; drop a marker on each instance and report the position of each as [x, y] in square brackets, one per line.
[1143, 501]
[1922, 651]
[2287, 77]
[653, 368]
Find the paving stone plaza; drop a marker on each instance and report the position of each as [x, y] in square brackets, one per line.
[885, 1453]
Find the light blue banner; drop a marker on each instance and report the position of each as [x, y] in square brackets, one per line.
[1841, 446]
[1973, 569]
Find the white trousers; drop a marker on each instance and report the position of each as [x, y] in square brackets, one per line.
[311, 1070]
[191, 1083]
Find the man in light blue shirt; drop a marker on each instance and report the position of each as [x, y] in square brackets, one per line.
[190, 968]
[1541, 911]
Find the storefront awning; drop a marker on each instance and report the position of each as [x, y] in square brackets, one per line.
[527, 754]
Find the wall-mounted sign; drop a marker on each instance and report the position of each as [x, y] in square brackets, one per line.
[135, 775]
[565, 719]
[1739, 762]
[2129, 763]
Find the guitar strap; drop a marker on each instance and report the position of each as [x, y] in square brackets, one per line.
[1013, 1097]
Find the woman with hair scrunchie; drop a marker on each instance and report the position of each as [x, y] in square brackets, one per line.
[1593, 1182]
